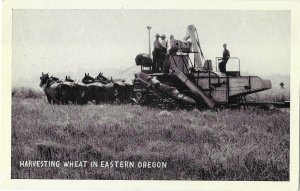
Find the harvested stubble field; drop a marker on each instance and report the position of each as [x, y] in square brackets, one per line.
[228, 144]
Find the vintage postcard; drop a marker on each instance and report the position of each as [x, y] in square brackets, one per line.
[163, 95]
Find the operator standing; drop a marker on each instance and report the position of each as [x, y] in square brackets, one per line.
[225, 58]
[157, 52]
[164, 44]
[172, 41]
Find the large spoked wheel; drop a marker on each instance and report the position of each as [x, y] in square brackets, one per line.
[140, 97]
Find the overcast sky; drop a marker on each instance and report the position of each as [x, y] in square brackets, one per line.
[64, 42]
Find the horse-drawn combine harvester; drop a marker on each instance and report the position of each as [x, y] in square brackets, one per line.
[194, 82]
[181, 82]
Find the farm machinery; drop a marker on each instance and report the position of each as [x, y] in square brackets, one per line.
[187, 78]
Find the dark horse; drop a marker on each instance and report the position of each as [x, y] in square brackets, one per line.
[78, 92]
[121, 89]
[99, 89]
[55, 79]
[61, 92]
[102, 79]
[87, 79]
[68, 79]
[52, 88]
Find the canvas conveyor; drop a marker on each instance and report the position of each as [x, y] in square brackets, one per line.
[193, 88]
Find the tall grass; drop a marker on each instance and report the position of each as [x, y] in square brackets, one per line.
[27, 92]
[240, 144]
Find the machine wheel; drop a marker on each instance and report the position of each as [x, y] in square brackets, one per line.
[140, 97]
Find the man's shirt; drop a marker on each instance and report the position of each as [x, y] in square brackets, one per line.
[157, 44]
[226, 55]
[172, 42]
[164, 43]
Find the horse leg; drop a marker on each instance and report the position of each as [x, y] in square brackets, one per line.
[74, 101]
[49, 99]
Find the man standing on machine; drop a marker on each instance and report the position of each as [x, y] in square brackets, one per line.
[225, 58]
[164, 44]
[157, 52]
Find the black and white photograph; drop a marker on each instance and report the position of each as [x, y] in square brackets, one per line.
[151, 94]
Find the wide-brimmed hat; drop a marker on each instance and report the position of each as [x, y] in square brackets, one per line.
[163, 36]
[157, 35]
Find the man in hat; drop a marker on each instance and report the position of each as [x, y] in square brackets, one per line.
[171, 40]
[164, 44]
[171, 47]
[225, 58]
[156, 53]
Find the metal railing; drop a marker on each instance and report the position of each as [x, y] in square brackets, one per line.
[231, 58]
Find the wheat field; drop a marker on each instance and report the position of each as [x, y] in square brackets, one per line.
[247, 143]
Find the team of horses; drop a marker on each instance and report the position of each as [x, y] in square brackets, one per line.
[99, 89]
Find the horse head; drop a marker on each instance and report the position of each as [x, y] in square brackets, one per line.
[44, 78]
[102, 78]
[68, 79]
[55, 79]
[87, 79]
